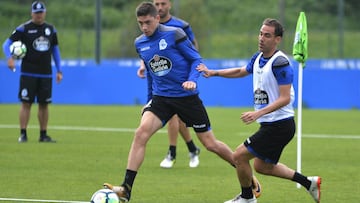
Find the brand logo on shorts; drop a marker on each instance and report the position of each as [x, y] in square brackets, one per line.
[24, 92]
[199, 126]
[148, 105]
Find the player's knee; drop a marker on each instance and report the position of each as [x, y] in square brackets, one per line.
[263, 168]
[240, 154]
[141, 136]
[259, 169]
[237, 156]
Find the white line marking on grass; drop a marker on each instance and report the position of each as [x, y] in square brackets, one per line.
[331, 136]
[40, 200]
[79, 128]
[103, 129]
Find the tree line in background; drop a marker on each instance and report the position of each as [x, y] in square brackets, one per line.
[230, 27]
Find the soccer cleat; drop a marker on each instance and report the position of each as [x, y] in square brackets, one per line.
[239, 199]
[256, 187]
[314, 189]
[46, 138]
[22, 138]
[168, 162]
[194, 158]
[121, 192]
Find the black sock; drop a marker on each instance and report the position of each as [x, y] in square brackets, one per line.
[302, 180]
[172, 151]
[191, 146]
[129, 179]
[23, 132]
[246, 192]
[42, 133]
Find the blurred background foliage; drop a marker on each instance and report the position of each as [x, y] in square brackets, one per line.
[224, 29]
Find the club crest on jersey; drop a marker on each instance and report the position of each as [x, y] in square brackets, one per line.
[47, 31]
[160, 65]
[162, 44]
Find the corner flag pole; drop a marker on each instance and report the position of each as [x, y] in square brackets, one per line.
[300, 55]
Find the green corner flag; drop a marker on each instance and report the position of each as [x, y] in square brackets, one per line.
[300, 53]
[300, 49]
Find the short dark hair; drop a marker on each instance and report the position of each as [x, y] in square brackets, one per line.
[146, 8]
[279, 29]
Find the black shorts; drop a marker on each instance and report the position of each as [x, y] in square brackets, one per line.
[269, 141]
[190, 110]
[34, 87]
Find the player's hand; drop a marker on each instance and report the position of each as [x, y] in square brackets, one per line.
[141, 71]
[206, 72]
[249, 117]
[59, 77]
[189, 85]
[11, 64]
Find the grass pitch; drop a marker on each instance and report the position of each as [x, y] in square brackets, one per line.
[93, 143]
